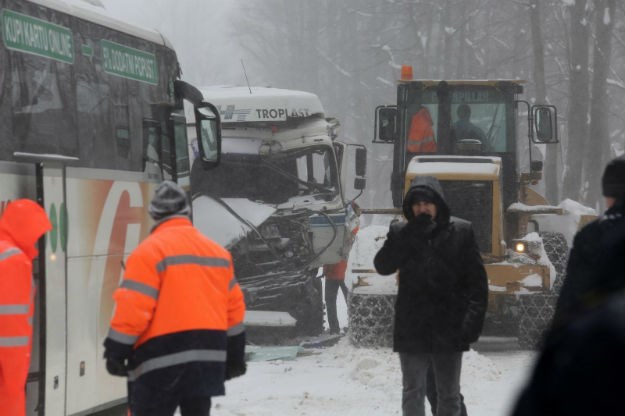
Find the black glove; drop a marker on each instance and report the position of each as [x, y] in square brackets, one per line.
[235, 369]
[116, 367]
[417, 228]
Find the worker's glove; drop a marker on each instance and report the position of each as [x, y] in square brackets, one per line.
[416, 232]
[116, 367]
[235, 369]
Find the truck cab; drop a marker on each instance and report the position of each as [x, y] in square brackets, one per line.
[277, 199]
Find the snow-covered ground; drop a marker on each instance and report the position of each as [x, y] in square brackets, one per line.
[344, 380]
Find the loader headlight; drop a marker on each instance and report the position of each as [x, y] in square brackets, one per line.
[529, 248]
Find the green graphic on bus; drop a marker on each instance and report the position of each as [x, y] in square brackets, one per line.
[59, 231]
[38, 37]
[128, 62]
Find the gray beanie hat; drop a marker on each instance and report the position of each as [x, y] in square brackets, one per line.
[169, 199]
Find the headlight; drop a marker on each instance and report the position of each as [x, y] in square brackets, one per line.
[530, 248]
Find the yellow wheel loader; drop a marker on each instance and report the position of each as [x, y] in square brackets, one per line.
[477, 158]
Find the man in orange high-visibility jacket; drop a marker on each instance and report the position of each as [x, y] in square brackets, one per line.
[21, 225]
[177, 331]
[421, 135]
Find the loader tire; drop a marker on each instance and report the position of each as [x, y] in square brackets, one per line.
[557, 250]
[371, 320]
[536, 315]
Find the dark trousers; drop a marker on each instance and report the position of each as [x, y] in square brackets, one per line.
[331, 291]
[191, 406]
[430, 393]
[446, 367]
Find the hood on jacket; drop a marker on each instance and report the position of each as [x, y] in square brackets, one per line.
[24, 221]
[432, 189]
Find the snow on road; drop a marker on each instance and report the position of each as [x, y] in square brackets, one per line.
[343, 380]
[348, 381]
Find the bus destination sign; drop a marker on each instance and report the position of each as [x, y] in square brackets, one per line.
[35, 36]
[128, 62]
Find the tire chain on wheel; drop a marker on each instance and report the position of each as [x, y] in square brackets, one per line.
[557, 250]
[371, 320]
[536, 314]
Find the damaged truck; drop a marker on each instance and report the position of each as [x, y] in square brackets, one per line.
[278, 201]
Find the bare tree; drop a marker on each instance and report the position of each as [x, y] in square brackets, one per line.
[551, 172]
[599, 102]
[578, 98]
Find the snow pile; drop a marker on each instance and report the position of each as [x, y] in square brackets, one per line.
[368, 241]
[573, 213]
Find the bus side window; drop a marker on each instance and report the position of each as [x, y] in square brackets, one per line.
[122, 130]
[182, 150]
[166, 156]
[151, 150]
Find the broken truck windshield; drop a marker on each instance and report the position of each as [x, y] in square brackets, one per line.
[270, 179]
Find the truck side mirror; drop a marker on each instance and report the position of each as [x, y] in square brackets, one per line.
[360, 183]
[545, 122]
[208, 130]
[536, 166]
[385, 124]
[361, 161]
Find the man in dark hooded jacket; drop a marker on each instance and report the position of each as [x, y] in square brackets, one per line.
[442, 295]
[580, 369]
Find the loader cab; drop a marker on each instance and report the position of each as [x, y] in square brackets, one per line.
[461, 118]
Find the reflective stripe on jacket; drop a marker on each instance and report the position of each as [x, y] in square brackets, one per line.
[16, 297]
[179, 302]
[421, 135]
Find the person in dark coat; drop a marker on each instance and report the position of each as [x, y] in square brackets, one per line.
[581, 366]
[597, 253]
[442, 295]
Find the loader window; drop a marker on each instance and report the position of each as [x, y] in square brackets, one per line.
[485, 122]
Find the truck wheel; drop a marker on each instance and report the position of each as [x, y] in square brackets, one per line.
[536, 314]
[309, 308]
[371, 320]
[557, 250]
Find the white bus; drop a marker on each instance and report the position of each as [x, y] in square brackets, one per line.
[91, 120]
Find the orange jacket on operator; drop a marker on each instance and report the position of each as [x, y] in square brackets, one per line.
[179, 298]
[421, 134]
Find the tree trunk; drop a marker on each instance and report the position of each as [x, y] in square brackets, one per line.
[599, 138]
[578, 100]
[551, 160]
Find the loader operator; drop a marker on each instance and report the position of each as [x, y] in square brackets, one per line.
[22, 224]
[177, 331]
[464, 128]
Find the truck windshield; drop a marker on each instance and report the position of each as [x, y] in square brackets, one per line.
[270, 179]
